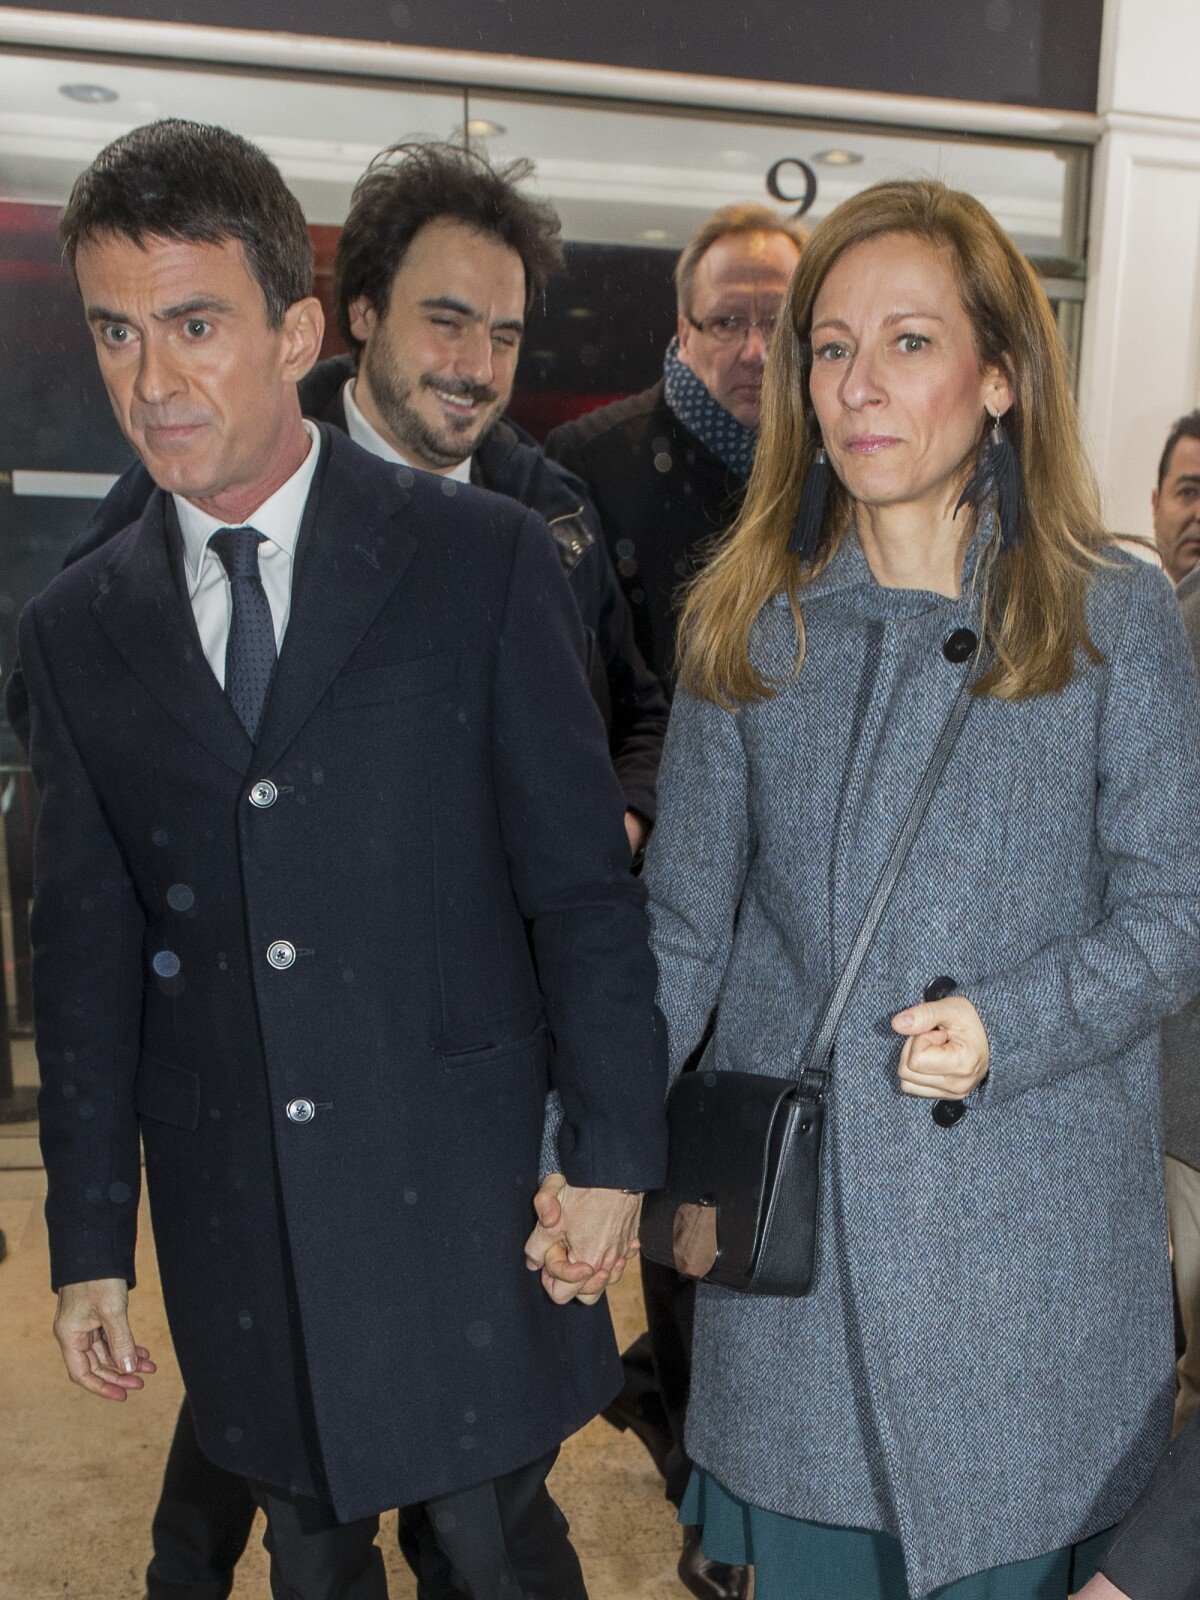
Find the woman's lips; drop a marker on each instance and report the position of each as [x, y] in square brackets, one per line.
[870, 444]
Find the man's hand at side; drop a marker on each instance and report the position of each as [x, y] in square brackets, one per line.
[583, 1240]
[92, 1329]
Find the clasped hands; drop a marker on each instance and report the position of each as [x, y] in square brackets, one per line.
[583, 1239]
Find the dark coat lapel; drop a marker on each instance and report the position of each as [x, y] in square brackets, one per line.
[356, 555]
[143, 613]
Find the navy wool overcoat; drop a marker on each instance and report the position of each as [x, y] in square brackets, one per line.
[329, 979]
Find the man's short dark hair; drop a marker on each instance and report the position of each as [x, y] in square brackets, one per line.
[411, 184]
[1184, 428]
[200, 184]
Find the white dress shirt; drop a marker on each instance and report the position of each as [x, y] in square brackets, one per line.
[371, 439]
[278, 520]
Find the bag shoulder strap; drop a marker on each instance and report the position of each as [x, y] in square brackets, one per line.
[819, 1057]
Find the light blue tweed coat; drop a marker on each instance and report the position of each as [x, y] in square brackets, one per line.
[984, 1366]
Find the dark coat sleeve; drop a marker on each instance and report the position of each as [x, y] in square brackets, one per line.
[86, 931]
[638, 704]
[122, 505]
[1156, 1552]
[560, 809]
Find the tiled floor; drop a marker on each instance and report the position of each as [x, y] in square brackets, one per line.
[79, 1476]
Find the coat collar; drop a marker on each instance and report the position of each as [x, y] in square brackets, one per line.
[140, 608]
[358, 553]
[348, 566]
[512, 464]
[848, 570]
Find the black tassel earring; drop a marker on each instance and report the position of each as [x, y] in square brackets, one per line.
[811, 517]
[999, 473]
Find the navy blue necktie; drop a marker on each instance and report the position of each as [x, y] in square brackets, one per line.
[250, 652]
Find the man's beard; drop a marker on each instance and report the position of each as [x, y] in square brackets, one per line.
[435, 449]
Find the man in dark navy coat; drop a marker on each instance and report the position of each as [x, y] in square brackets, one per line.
[331, 885]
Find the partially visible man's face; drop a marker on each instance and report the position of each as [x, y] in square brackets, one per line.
[1177, 511]
[437, 368]
[742, 275]
[203, 386]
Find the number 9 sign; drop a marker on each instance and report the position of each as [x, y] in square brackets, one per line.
[803, 202]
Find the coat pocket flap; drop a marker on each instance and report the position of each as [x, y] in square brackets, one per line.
[530, 1045]
[167, 1094]
[396, 680]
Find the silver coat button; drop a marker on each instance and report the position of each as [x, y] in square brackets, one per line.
[281, 954]
[264, 794]
[301, 1110]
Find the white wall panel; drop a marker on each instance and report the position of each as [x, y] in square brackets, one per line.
[1148, 60]
[1141, 341]
[1140, 362]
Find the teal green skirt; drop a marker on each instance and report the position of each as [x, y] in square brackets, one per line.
[795, 1560]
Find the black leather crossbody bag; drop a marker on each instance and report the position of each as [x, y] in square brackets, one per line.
[741, 1199]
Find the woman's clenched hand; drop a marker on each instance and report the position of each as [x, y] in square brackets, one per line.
[946, 1052]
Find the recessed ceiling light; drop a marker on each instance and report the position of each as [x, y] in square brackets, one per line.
[655, 235]
[482, 128]
[89, 94]
[580, 313]
[838, 158]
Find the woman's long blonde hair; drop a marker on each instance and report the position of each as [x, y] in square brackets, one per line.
[1034, 594]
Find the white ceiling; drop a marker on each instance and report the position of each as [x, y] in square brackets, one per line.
[613, 173]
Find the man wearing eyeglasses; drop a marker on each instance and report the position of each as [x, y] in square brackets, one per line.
[667, 469]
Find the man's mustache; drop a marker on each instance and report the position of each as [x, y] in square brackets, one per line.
[461, 388]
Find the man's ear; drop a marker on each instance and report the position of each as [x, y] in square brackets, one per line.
[685, 330]
[303, 330]
[362, 317]
[1154, 502]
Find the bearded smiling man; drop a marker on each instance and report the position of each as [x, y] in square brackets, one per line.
[457, 300]
[439, 262]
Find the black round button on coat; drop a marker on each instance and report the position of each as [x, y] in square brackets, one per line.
[947, 1112]
[940, 988]
[960, 646]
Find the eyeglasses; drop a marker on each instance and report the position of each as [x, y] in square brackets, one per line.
[734, 330]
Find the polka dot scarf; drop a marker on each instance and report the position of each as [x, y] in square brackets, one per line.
[717, 429]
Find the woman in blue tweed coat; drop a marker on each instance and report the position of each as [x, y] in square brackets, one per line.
[980, 1382]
